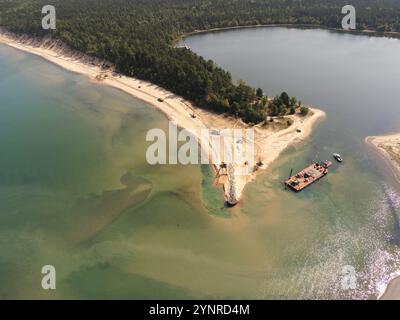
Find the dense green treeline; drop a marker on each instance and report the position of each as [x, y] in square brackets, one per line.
[138, 36]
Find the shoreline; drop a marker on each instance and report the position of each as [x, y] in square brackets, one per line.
[268, 142]
[363, 32]
[380, 145]
[392, 290]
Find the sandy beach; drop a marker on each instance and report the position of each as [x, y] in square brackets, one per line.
[392, 291]
[388, 147]
[269, 141]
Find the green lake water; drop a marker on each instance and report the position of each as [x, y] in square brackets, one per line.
[76, 191]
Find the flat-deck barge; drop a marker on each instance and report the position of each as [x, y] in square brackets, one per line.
[308, 176]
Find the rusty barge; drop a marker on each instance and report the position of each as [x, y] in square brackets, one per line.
[308, 176]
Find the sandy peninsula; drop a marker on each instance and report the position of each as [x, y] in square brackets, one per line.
[388, 147]
[269, 140]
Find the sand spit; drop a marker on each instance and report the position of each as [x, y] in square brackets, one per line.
[269, 140]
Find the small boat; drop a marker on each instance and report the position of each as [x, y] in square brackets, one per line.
[338, 157]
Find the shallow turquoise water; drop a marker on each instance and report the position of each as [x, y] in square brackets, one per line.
[73, 164]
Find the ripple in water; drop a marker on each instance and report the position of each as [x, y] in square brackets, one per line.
[321, 269]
